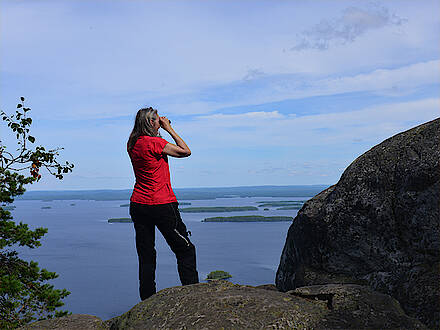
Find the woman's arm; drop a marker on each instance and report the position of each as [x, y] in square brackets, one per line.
[180, 149]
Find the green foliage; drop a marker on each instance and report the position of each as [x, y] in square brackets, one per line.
[218, 275]
[25, 294]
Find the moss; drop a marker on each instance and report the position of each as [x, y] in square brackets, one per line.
[218, 275]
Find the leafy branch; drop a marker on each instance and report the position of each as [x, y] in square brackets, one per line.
[24, 295]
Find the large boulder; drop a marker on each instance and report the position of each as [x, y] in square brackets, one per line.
[223, 305]
[378, 225]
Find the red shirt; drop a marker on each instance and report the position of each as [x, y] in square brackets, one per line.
[152, 173]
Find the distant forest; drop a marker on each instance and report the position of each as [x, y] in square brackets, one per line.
[181, 193]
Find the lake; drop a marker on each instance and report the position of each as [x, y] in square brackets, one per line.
[97, 261]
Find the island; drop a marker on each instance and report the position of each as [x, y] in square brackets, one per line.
[46, 207]
[180, 203]
[281, 203]
[119, 220]
[248, 218]
[218, 209]
[218, 275]
[269, 202]
[296, 207]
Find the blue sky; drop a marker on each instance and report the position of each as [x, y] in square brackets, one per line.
[263, 92]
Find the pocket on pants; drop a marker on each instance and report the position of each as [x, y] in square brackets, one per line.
[179, 226]
[186, 239]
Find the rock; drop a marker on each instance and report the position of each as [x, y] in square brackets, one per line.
[74, 321]
[380, 224]
[224, 305]
[358, 307]
[267, 287]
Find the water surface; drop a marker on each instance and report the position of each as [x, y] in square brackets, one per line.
[97, 261]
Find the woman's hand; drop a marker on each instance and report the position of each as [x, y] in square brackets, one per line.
[180, 149]
[165, 123]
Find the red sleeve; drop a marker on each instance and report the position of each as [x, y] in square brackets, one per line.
[158, 145]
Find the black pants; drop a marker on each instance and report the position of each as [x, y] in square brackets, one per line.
[167, 219]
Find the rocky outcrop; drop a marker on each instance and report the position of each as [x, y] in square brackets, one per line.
[357, 307]
[379, 225]
[71, 322]
[223, 305]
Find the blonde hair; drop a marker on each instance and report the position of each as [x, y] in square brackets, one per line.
[142, 126]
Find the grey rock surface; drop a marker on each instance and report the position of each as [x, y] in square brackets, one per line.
[380, 225]
[74, 322]
[358, 307]
[223, 305]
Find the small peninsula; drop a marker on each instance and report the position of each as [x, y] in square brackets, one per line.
[248, 218]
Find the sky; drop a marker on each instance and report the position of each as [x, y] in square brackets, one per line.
[264, 92]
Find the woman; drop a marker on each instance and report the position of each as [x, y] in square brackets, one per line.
[153, 202]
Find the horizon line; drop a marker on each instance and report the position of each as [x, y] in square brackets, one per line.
[212, 187]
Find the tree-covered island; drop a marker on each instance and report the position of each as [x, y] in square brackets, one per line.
[218, 275]
[284, 208]
[119, 220]
[248, 218]
[292, 204]
[218, 209]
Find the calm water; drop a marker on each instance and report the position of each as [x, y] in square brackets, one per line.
[97, 261]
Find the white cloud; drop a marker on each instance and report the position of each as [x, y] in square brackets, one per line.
[393, 82]
[404, 79]
[411, 76]
[253, 73]
[369, 125]
[136, 47]
[90, 60]
[353, 23]
[243, 119]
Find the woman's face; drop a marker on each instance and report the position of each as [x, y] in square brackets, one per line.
[155, 123]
